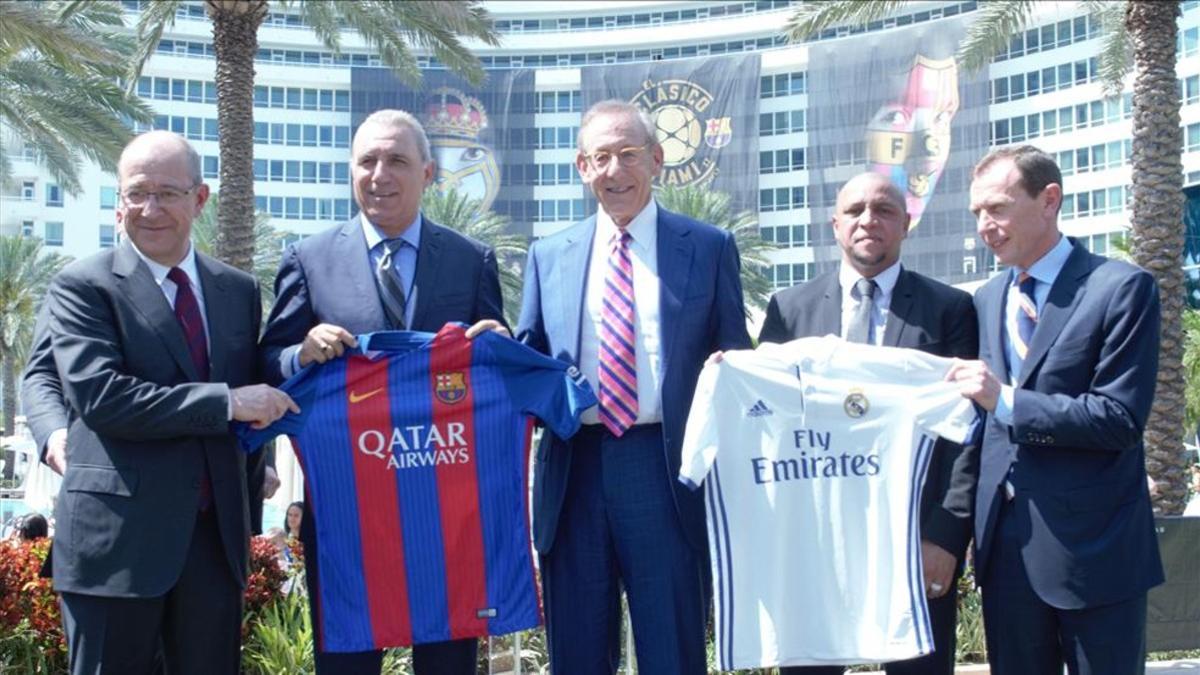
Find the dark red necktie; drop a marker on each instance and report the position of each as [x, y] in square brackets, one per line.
[187, 312]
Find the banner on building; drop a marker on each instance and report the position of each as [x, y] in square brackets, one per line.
[706, 114]
[896, 103]
[482, 137]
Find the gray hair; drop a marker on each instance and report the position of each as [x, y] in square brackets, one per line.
[193, 157]
[614, 106]
[394, 119]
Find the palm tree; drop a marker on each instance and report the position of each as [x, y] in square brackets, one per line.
[1144, 34]
[25, 272]
[460, 212]
[268, 246]
[709, 206]
[59, 63]
[389, 27]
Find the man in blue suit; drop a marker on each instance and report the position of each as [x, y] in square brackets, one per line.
[1064, 535]
[637, 297]
[387, 268]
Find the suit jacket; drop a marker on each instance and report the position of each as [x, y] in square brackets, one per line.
[701, 308]
[1082, 507]
[328, 278]
[924, 314]
[46, 411]
[146, 423]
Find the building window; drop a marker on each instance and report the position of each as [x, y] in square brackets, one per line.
[27, 190]
[27, 228]
[108, 197]
[54, 234]
[107, 236]
[53, 195]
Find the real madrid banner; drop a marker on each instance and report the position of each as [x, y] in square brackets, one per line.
[482, 137]
[706, 111]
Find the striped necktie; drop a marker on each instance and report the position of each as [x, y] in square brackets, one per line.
[391, 293]
[1027, 315]
[618, 363]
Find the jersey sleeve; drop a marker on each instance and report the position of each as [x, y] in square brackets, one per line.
[940, 408]
[302, 387]
[553, 391]
[702, 433]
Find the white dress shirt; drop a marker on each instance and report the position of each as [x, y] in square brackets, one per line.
[886, 282]
[647, 339]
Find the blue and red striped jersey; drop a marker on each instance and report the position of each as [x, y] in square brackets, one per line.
[415, 450]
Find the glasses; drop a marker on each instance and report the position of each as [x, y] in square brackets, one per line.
[625, 157]
[165, 197]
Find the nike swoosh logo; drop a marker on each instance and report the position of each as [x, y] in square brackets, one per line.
[355, 398]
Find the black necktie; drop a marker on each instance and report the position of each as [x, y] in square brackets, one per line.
[391, 293]
[862, 322]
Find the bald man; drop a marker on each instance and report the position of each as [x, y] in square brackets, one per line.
[154, 345]
[872, 299]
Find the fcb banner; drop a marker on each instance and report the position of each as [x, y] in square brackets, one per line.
[706, 112]
[482, 137]
[921, 121]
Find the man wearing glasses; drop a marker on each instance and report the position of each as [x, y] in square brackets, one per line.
[636, 297]
[155, 348]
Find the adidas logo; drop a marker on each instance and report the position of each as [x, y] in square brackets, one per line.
[759, 409]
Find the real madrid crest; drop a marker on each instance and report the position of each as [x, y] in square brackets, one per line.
[856, 404]
[686, 130]
[450, 388]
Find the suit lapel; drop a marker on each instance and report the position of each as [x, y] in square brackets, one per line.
[827, 319]
[1066, 293]
[137, 283]
[425, 284]
[214, 286]
[350, 247]
[674, 267]
[900, 307]
[571, 270]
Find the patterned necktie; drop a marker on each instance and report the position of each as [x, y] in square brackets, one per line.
[1027, 315]
[187, 312]
[862, 323]
[618, 363]
[391, 293]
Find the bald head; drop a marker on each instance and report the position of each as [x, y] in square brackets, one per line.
[871, 180]
[870, 222]
[165, 144]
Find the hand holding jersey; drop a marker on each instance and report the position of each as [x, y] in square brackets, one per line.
[822, 446]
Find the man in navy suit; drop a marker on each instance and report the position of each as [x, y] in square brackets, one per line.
[899, 309]
[387, 268]
[1064, 534]
[636, 297]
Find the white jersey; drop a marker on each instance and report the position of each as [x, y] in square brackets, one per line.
[815, 454]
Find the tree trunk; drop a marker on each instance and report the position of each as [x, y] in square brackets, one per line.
[1157, 227]
[9, 374]
[235, 42]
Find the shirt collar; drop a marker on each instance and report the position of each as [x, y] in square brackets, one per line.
[885, 280]
[411, 236]
[643, 228]
[1046, 269]
[160, 271]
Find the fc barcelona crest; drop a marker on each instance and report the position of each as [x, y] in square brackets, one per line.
[450, 388]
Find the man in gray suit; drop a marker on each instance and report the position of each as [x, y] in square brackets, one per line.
[872, 299]
[151, 549]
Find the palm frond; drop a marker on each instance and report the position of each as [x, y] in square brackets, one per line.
[154, 19]
[1116, 50]
[268, 246]
[325, 21]
[992, 31]
[813, 17]
[78, 37]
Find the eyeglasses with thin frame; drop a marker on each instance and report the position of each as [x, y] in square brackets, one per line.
[167, 196]
[626, 157]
